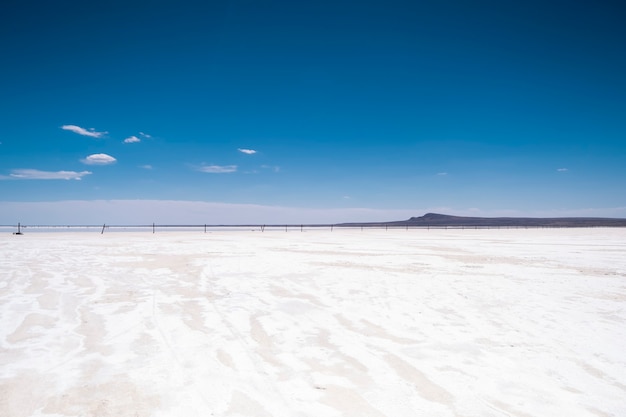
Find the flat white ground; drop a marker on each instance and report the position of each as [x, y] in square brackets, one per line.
[485, 323]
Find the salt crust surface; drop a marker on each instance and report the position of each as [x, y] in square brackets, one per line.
[483, 323]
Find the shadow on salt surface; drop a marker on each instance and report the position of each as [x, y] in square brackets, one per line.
[119, 397]
[29, 394]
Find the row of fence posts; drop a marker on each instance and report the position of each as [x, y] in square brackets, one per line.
[262, 228]
[153, 228]
[104, 226]
[205, 228]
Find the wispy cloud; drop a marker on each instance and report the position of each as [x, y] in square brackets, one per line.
[35, 174]
[247, 151]
[132, 139]
[145, 166]
[98, 159]
[271, 167]
[137, 139]
[562, 169]
[82, 131]
[217, 169]
[442, 174]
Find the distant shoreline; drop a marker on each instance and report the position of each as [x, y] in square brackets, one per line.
[443, 220]
[428, 221]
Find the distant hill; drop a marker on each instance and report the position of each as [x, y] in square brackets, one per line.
[443, 220]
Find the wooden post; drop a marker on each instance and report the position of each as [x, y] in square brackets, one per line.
[331, 227]
[103, 226]
[152, 228]
[301, 226]
[205, 228]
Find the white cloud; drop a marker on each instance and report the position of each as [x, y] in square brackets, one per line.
[85, 132]
[132, 139]
[247, 151]
[99, 159]
[442, 174]
[35, 174]
[145, 135]
[145, 166]
[562, 169]
[217, 169]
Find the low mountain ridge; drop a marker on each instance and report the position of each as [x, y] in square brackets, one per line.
[444, 220]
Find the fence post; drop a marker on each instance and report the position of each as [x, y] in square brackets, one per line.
[152, 228]
[102, 232]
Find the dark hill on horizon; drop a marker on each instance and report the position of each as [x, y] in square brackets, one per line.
[444, 220]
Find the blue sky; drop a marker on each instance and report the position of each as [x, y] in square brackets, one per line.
[327, 110]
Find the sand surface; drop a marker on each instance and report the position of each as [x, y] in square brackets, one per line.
[316, 323]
